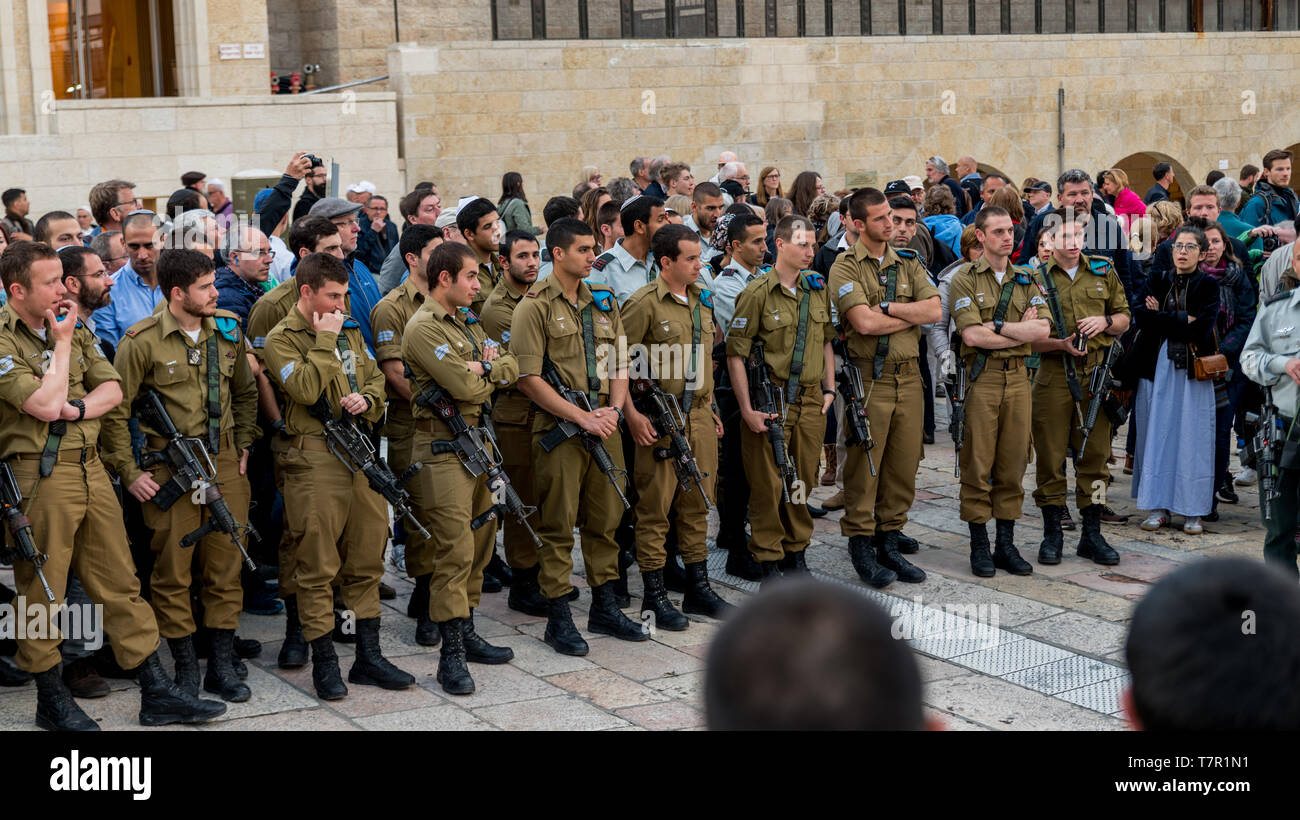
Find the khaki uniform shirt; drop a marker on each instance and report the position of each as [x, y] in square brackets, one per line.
[156, 353]
[856, 278]
[512, 406]
[436, 345]
[488, 277]
[388, 322]
[267, 312]
[656, 319]
[975, 293]
[1095, 291]
[23, 361]
[766, 310]
[304, 364]
[546, 324]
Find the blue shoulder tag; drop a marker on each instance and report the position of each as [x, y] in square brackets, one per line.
[604, 300]
[1099, 266]
[229, 327]
[706, 298]
[815, 280]
[1022, 276]
[906, 253]
[350, 323]
[470, 318]
[79, 324]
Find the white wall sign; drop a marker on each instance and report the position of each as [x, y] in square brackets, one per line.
[229, 51]
[254, 51]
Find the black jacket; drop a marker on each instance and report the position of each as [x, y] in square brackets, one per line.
[1103, 236]
[1155, 327]
[1157, 193]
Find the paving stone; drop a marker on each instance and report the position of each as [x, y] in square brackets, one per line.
[565, 713]
[948, 722]
[442, 718]
[687, 688]
[537, 658]
[1002, 705]
[503, 683]
[1113, 581]
[363, 701]
[319, 719]
[1079, 632]
[606, 689]
[661, 716]
[642, 661]
[933, 669]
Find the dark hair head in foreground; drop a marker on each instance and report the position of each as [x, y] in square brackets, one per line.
[1216, 645]
[811, 656]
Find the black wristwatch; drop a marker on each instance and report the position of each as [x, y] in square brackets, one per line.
[1109, 321]
[884, 308]
[279, 428]
[997, 326]
[81, 408]
[487, 369]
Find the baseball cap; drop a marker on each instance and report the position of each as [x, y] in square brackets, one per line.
[897, 187]
[332, 206]
[1040, 185]
[261, 198]
[364, 186]
[913, 183]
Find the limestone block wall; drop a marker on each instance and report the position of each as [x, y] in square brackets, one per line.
[851, 108]
[153, 141]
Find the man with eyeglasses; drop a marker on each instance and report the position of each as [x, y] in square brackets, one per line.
[137, 289]
[241, 282]
[317, 188]
[89, 282]
[110, 202]
[111, 250]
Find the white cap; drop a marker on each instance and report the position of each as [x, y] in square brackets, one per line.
[216, 183]
[445, 219]
[465, 200]
[364, 186]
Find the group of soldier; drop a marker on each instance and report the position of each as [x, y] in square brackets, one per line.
[611, 395]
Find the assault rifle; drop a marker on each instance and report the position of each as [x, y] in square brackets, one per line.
[665, 413]
[565, 430]
[11, 498]
[766, 398]
[1101, 386]
[857, 426]
[955, 386]
[1265, 445]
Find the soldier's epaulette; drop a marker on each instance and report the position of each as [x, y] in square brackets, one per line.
[470, 316]
[1277, 297]
[1099, 266]
[602, 296]
[706, 298]
[815, 280]
[906, 253]
[144, 324]
[602, 260]
[228, 324]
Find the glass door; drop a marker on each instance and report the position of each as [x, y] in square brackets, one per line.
[112, 48]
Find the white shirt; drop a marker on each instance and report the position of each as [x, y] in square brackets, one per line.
[193, 334]
[1071, 272]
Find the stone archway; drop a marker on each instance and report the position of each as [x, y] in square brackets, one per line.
[1138, 167]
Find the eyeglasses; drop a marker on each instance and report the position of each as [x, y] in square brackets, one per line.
[256, 252]
[134, 202]
[101, 275]
[346, 223]
[1189, 248]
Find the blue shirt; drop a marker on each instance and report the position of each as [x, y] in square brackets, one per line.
[236, 295]
[132, 300]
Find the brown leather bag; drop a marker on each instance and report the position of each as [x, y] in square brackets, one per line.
[1212, 367]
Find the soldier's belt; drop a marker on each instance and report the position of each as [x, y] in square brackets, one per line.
[907, 368]
[1015, 363]
[227, 442]
[68, 455]
[316, 442]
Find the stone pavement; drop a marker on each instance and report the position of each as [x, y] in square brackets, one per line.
[1039, 652]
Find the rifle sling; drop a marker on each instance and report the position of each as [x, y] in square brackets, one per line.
[688, 395]
[999, 314]
[214, 395]
[800, 342]
[882, 342]
[1058, 319]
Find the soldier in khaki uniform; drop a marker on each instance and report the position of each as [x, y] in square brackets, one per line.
[883, 296]
[445, 345]
[577, 330]
[995, 306]
[513, 416]
[785, 309]
[1084, 296]
[195, 357]
[55, 385]
[311, 234]
[671, 319]
[388, 322]
[315, 352]
[478, 221]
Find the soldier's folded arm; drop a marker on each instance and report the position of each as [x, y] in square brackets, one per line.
[244, 399]
[422, 346]
[853, 304]
[303, 377]
[923, 312]
[1026, 331]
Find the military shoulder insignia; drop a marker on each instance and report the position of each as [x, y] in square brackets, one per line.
[906, 253]
[1099, 266]
[815, 280]
[350, 322]
[706, 298]
[143, 324]
[1278, 297]
[603, 299]
[602, 261]
[229, 326]
[470, 317]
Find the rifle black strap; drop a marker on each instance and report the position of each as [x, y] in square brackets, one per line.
[882, 342]
[214, 395]
[800, 342]
[999, 315]
[589, 352]
[51, 452]
[1058, 319]
[349, 361]
[688, 395]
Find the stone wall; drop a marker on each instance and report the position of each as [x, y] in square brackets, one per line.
[152, 142]
[851, 108]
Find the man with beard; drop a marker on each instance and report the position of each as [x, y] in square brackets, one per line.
[195, 357]
[137, 290]
[706, 206]
[88, 282]
[317, 188]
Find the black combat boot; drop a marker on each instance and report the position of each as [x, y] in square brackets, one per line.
[606, 618]
[887, 556]
[325, 674]
[771, 573]
[371, 668]
[700, 598]
[560, 631]
[478, 650]
[794, 563]
[1091, 543]
[526, 594]
[453, 673]
[1049, 549]
[621, 594]
[500, 569]
[1005, 554]
[341, 635]
[863, 555]
[55, 708]
[221, 678]
[293, 652]
[655, 599]
[907, 545]
[418, 603]
[741, 563]
[981, 563]
[187, 664]
[674, 577]
[163, 702]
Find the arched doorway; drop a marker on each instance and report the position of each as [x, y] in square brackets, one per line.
[1138, 168]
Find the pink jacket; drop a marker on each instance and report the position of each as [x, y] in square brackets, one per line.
[1128, 205]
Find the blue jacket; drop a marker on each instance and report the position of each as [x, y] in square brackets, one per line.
[1284, 205]
[236, 295]
[945, 228]
[372, 248]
